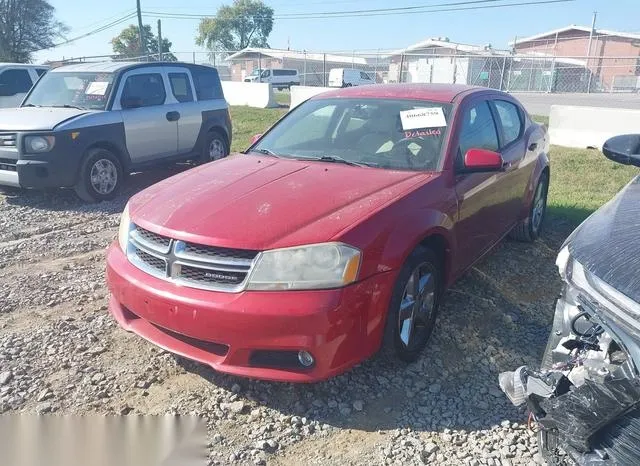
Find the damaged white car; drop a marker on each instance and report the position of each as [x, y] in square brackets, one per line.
[585, 398]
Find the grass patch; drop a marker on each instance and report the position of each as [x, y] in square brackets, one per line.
[283, 97]
[248, 122]
[540, 119]
[581, 179]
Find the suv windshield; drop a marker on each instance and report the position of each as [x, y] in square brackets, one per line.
[72, 89]
[382, 133]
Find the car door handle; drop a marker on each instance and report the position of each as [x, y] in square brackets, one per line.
[173, 116]
[533, 146]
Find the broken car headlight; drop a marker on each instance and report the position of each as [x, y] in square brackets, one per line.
[625, 310]
[316, 266]
[123, 231]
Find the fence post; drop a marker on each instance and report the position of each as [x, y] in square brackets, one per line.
[324, 69]
[260, 67]
[353, 59]
[553, 73]
[401, 66]
[194, 58]
[375, 70]
[504, 65]
[304, 73]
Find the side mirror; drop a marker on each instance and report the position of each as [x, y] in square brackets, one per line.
[5, 91]
[255, 138]
[482, 160]
[624, 149]
[131, 102]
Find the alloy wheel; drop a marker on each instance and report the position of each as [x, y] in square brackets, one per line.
[104, 176]
[417, 306]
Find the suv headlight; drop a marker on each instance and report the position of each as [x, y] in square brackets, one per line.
[39, 144]
[125, 228]
[316, 266]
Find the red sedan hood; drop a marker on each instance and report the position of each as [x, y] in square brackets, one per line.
[259, 203]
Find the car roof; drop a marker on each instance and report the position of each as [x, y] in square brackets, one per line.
[433, 92]
[21, 65]
[117, 66]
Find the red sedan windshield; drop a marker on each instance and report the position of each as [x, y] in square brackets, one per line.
[381, 133]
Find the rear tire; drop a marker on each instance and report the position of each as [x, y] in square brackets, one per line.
[414, 305]
[101, 176]
[214, 147]
[529, 229]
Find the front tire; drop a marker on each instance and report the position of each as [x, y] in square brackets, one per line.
[101, 176]
[414, 305]
[529, 229]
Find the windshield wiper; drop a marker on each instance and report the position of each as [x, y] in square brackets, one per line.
[266, 152]
[69, 106]
[336, 159]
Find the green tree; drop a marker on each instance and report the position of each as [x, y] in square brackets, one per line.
[245, 23]
[27, 26]
[127, 44]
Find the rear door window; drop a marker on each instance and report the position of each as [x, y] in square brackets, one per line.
[207, 83]
[181, 87]
[510, 119]
[16, 81]
[478, 129]
[148, 89]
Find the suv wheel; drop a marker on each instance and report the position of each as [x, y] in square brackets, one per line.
[101, 176]
[214, 147]
[414, 305]
[529, 229]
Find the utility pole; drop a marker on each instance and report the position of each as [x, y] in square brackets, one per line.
[143, 52]
[593, 29]
[159, 40]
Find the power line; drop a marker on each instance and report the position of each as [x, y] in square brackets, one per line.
[371, 12]
[93, 32]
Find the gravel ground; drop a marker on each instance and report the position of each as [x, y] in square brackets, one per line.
[61, 352]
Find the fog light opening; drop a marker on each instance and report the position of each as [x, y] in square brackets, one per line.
[305, 358]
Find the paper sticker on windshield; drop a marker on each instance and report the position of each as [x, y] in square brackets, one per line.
[423, 118]
[97, 88]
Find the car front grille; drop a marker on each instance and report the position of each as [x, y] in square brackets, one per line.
[8, 164]
[8, 139]
[189, 264]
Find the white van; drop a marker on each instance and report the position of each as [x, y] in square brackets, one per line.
[15, 81]
[347, 77]
[280, 78]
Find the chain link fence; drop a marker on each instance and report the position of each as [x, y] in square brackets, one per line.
[495, 69]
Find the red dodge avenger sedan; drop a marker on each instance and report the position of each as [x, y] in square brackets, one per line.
[336, 232]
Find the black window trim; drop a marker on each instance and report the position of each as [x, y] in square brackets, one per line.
[498, 123]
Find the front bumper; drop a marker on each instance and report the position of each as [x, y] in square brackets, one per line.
[250, 333]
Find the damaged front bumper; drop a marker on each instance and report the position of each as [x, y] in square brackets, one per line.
[585, 398]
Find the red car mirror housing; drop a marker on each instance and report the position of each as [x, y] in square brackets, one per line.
[480, 160]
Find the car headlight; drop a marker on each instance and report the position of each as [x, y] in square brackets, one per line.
[317, 266]
[39, 144]
[125, 228]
